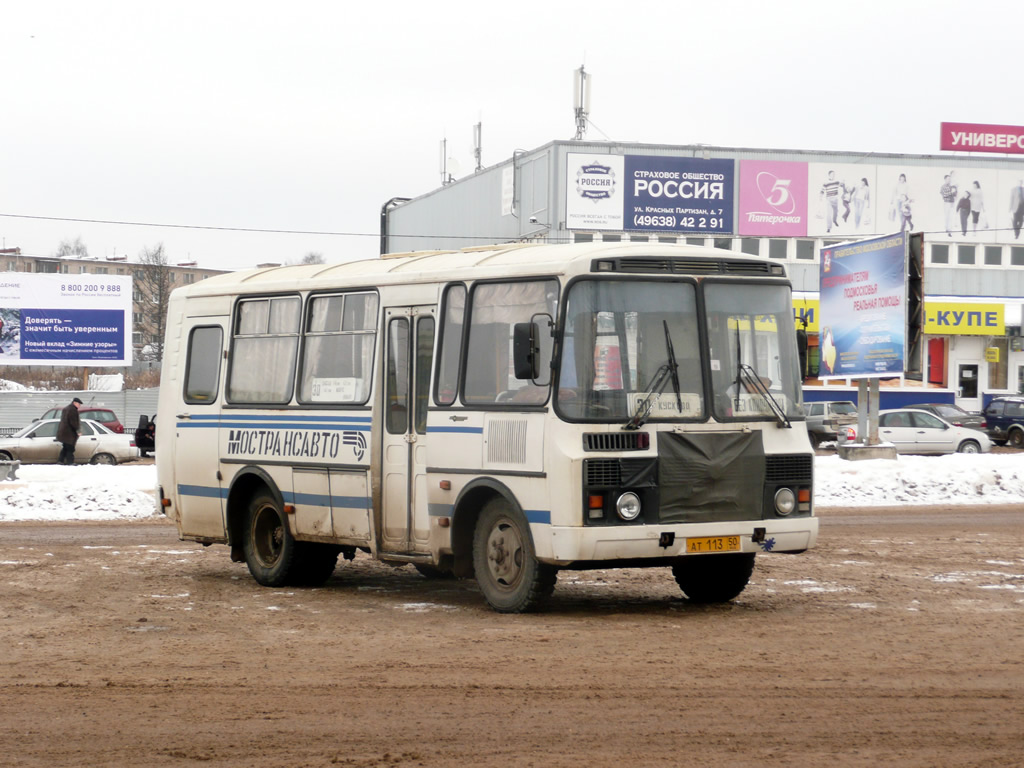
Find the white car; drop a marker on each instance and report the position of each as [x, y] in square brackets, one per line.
[37, 444]
[915, 431]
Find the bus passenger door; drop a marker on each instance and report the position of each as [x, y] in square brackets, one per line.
[408, 353]
[197, 431]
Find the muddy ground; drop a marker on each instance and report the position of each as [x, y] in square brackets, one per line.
[898, 641]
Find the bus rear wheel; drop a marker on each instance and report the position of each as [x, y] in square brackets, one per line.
[713, 578]
[269, 547]
[511, 578]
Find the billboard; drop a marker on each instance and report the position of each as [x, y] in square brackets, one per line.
[659, 194]
[862, 302]
[64, 319]
[979, 137]
[773, 198]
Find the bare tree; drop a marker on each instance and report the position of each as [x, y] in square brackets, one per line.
[152, 284]
[72, 248]
[312, 258]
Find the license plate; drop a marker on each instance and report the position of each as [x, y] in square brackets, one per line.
[713, 544]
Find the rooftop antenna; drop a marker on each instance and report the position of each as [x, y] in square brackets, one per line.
[478, 145]
[446, 177]
[581, 101]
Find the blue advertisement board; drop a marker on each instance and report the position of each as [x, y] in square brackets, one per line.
[65, 319]
[678, 194]
[863, 317]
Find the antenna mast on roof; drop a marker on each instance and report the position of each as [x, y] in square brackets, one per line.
[478, 145]
[581, 101]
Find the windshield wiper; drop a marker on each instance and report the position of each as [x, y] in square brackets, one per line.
[755, 385]
[667, 372]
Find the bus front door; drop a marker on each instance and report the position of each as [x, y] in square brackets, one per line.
[408, 353]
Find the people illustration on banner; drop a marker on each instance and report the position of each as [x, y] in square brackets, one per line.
[963, 209]
[948, 192]
[861, 204]
[831, 192]
[977, 208]
[1017, 208]
[900, 207]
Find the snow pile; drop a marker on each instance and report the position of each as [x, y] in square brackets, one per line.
[81, 492]
[959, 478]
[127, 492]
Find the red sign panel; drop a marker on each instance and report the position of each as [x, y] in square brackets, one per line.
[972, 137]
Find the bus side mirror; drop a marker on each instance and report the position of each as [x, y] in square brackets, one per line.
[525, 350]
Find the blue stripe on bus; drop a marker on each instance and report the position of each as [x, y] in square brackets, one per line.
[204, 491]
[342, 426]
[440, 510]
[275, 417]
[463, 430]
[323, 500]
[541, 516]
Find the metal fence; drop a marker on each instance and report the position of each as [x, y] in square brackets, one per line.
[19, 408]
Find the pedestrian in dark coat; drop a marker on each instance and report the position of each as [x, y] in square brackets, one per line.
[67, 432]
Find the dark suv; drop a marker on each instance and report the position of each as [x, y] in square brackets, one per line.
[1005, 419]
[104, 416]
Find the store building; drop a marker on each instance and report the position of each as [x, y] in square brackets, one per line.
[776, 204]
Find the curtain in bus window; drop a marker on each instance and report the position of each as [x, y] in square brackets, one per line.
[337, 359]
[496, 308]
[263, 352]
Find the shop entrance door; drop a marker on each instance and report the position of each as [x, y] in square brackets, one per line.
[967, 387]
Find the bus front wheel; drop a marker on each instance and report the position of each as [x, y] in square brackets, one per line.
[269, 547]
[713, 578]
[510, 576]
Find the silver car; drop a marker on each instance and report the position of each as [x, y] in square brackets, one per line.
[916, 431]
[37, 444]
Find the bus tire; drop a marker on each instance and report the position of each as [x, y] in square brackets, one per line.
[713, 578]
[314, 563]
[505, 563]
[270, 550]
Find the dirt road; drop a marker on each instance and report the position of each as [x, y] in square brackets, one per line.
[897, 642]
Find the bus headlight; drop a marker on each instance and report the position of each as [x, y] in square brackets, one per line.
[785, 501]
[628, 506]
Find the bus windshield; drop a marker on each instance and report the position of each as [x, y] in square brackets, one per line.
[755, 369]
[617, 351]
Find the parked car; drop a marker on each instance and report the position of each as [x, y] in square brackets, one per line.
[916, 431]
[954, 414]
[1004, 417]
[826, 419]
[37, 444]
[145, 435]
[104, 416]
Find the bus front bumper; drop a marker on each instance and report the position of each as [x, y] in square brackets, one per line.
[639, 542]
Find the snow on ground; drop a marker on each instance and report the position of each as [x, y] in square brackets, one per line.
[87, 492]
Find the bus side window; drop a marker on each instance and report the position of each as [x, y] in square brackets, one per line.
[263, 350]
[202, 371]
[453, 312]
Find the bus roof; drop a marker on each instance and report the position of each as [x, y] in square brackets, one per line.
[506, 260]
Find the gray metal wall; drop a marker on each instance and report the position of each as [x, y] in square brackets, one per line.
[18, 409]
[470, 208]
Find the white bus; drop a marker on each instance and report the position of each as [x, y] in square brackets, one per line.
[500, 413]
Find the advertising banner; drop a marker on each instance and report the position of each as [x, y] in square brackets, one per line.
[843, 201]
[863, 308]
[679, 194]
[594, 190]
[63, 319]
[976, 137]
[773, 198]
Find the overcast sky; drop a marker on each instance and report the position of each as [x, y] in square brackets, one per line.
[308, 116]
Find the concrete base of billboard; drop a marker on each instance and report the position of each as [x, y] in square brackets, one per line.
[858, 452]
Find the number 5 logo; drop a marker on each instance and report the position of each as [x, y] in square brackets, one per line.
[777, 194]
